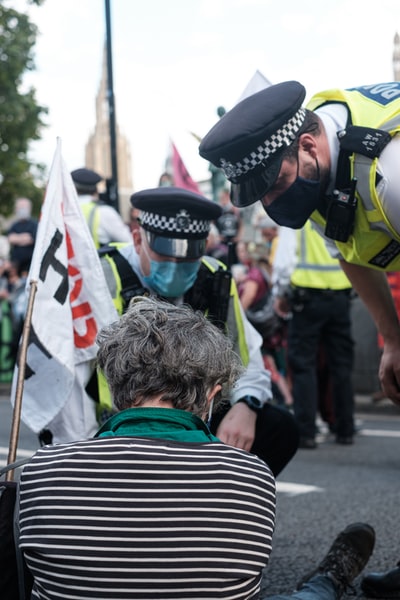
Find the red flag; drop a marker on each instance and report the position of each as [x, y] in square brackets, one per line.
[180, 173]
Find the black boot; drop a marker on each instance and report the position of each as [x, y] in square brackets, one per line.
[382, 585]
[346, 558]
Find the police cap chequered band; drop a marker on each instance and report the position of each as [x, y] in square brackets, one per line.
[282, 137]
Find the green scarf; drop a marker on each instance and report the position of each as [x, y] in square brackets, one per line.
[164, 423]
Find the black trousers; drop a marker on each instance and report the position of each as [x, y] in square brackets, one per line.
[277, 436]
[322, 317]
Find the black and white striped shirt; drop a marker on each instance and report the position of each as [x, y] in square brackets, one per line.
[128, 518]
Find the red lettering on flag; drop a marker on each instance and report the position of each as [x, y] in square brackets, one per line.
[82, 313]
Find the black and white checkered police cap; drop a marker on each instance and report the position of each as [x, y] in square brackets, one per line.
[176, 221]
[247, 143]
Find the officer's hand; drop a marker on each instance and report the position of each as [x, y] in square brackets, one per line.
[389, 371]
[238, 427]
[282, 307]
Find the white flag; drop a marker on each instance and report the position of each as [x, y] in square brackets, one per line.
[257, 83]
[72, 301]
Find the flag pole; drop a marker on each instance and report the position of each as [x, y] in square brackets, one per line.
[14, 435]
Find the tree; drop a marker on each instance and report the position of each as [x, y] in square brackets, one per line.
[20, 115]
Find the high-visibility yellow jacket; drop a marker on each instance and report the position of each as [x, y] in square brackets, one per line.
[374, 242]
[91, 213]
[315, 267]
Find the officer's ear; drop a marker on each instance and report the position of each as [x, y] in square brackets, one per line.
[308, 144]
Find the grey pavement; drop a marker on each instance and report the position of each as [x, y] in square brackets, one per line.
[319, 493]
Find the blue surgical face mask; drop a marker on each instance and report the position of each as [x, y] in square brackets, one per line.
[294, 207]
[171, 279]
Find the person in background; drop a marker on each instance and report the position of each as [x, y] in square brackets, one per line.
[253, 279]
[266, 230]
[155, 501]
[311, 285]
[4, 243]
[7, 347]
[165, 180]
[215, 247]
[21, 235]
[104, 222]
[229, 225]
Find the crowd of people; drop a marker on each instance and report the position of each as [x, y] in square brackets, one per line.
[211, 372]
[16, 248]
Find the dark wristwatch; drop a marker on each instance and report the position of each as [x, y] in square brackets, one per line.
[252, 402]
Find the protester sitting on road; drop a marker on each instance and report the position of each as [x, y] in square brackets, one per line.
[155, 506]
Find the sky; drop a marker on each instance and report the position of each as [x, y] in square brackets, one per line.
[176, 61]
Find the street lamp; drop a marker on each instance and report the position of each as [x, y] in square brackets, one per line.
[112, 185]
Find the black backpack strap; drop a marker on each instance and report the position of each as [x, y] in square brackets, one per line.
[25, 578]
[211, 292]
[14, 465]
[18, 571]
[130, 283]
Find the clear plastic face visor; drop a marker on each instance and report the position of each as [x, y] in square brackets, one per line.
[256, 187]
[174, 247]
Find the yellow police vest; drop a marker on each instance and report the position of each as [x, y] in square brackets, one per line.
[92, 217]
[234, 322]
[374, 243]
[315, 267]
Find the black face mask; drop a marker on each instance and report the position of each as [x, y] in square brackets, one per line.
[294, 207]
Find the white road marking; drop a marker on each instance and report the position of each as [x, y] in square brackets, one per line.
[380, 432]
[295, 489]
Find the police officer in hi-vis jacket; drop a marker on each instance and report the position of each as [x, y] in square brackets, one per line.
[337, 162]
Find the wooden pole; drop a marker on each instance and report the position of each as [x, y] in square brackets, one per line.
[14, 435]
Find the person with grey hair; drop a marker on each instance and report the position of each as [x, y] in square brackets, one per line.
[154, 506]
[155, 347]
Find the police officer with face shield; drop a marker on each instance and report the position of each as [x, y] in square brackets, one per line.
[167, 260]
[335, 161]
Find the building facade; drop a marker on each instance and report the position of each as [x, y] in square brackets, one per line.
[98, 150]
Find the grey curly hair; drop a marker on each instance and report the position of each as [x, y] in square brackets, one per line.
[158, 348]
